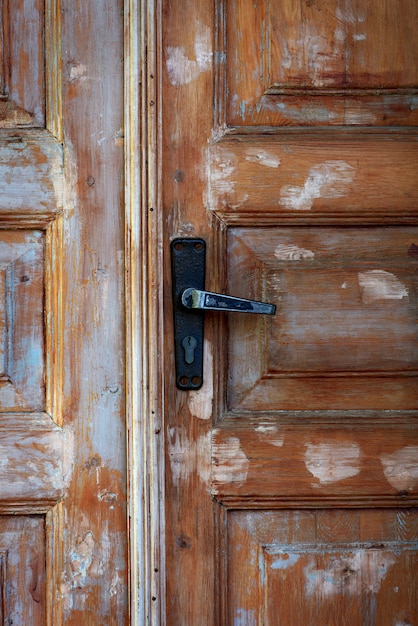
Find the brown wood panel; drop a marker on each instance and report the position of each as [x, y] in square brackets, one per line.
[269, 464]
[319, 63]
[314, 410]
[62, 435]
[22, 575]
[309, 176]
[282, 568]
[344, 335]
[22, 67]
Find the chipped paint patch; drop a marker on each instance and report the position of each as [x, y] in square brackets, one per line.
[357, 572]
[200, 402]
[81, 558]
[332, 462]
[262, 158]
[270, 434]
[380, 285]
[221, 171]
[285, 561]
[401, 468]
[230, 463]
[188, 457]
[245, 617]
[77, 72]
[289, 252]
[181, 69]
[326, 180]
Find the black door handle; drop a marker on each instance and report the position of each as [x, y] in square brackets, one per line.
[190, 300]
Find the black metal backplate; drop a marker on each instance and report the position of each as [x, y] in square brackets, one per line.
[188, 270]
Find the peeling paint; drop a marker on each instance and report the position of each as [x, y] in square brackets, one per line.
[230, 461]
[326, 180]
[81, 558]
[223, 168]
[284, 561]
[380, 285]
[200, 402]
[291, 252]
[181, 69]
[245, 617]
[332, 462]
[187, 457]
[401, 468]
[77, 72]
[270, 434]
[357, 572]
[262, 158]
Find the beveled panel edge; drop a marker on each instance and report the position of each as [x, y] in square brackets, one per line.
[38, 196]
[252, 502]
[306, 419]
[222, 127]
[28, 422]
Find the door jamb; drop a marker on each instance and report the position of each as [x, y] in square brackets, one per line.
[144, 320]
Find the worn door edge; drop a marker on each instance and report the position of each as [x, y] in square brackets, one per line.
[144, 312]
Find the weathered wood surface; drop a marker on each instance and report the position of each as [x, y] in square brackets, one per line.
[316, 408]
[63, 552]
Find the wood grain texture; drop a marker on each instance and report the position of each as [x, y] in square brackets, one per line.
[282, 565]
[22, 100]
[301, 447]
[62, 434]
[319, 63]
[22, 546]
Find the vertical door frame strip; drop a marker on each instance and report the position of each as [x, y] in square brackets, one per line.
[144, 312]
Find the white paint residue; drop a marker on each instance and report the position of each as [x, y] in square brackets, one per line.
[332, 462]
[347, 16]
[285, 561]
[181, 454]
[230, 462]
[187, 457]
[200, 402]
[326, 180]
[380, 285]
[245, 617]
[289, 252]
[221, 171]
[359, 36]
[354, 573]
[262, 157]
[182, 70]
[77, 72]
[401, 468]
[81, 558]
[270, 434]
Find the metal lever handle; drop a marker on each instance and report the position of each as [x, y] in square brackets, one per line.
[209, 301]
[189, 304]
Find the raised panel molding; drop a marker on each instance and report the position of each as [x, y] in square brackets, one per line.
[22, 262]
[318, 63]
[330, 566]
[345, 322]
[22, 569]
[30, 65]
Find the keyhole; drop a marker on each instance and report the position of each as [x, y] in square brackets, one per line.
[189, 344]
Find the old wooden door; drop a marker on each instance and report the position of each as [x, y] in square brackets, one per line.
[285, 132]
[62, 485]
